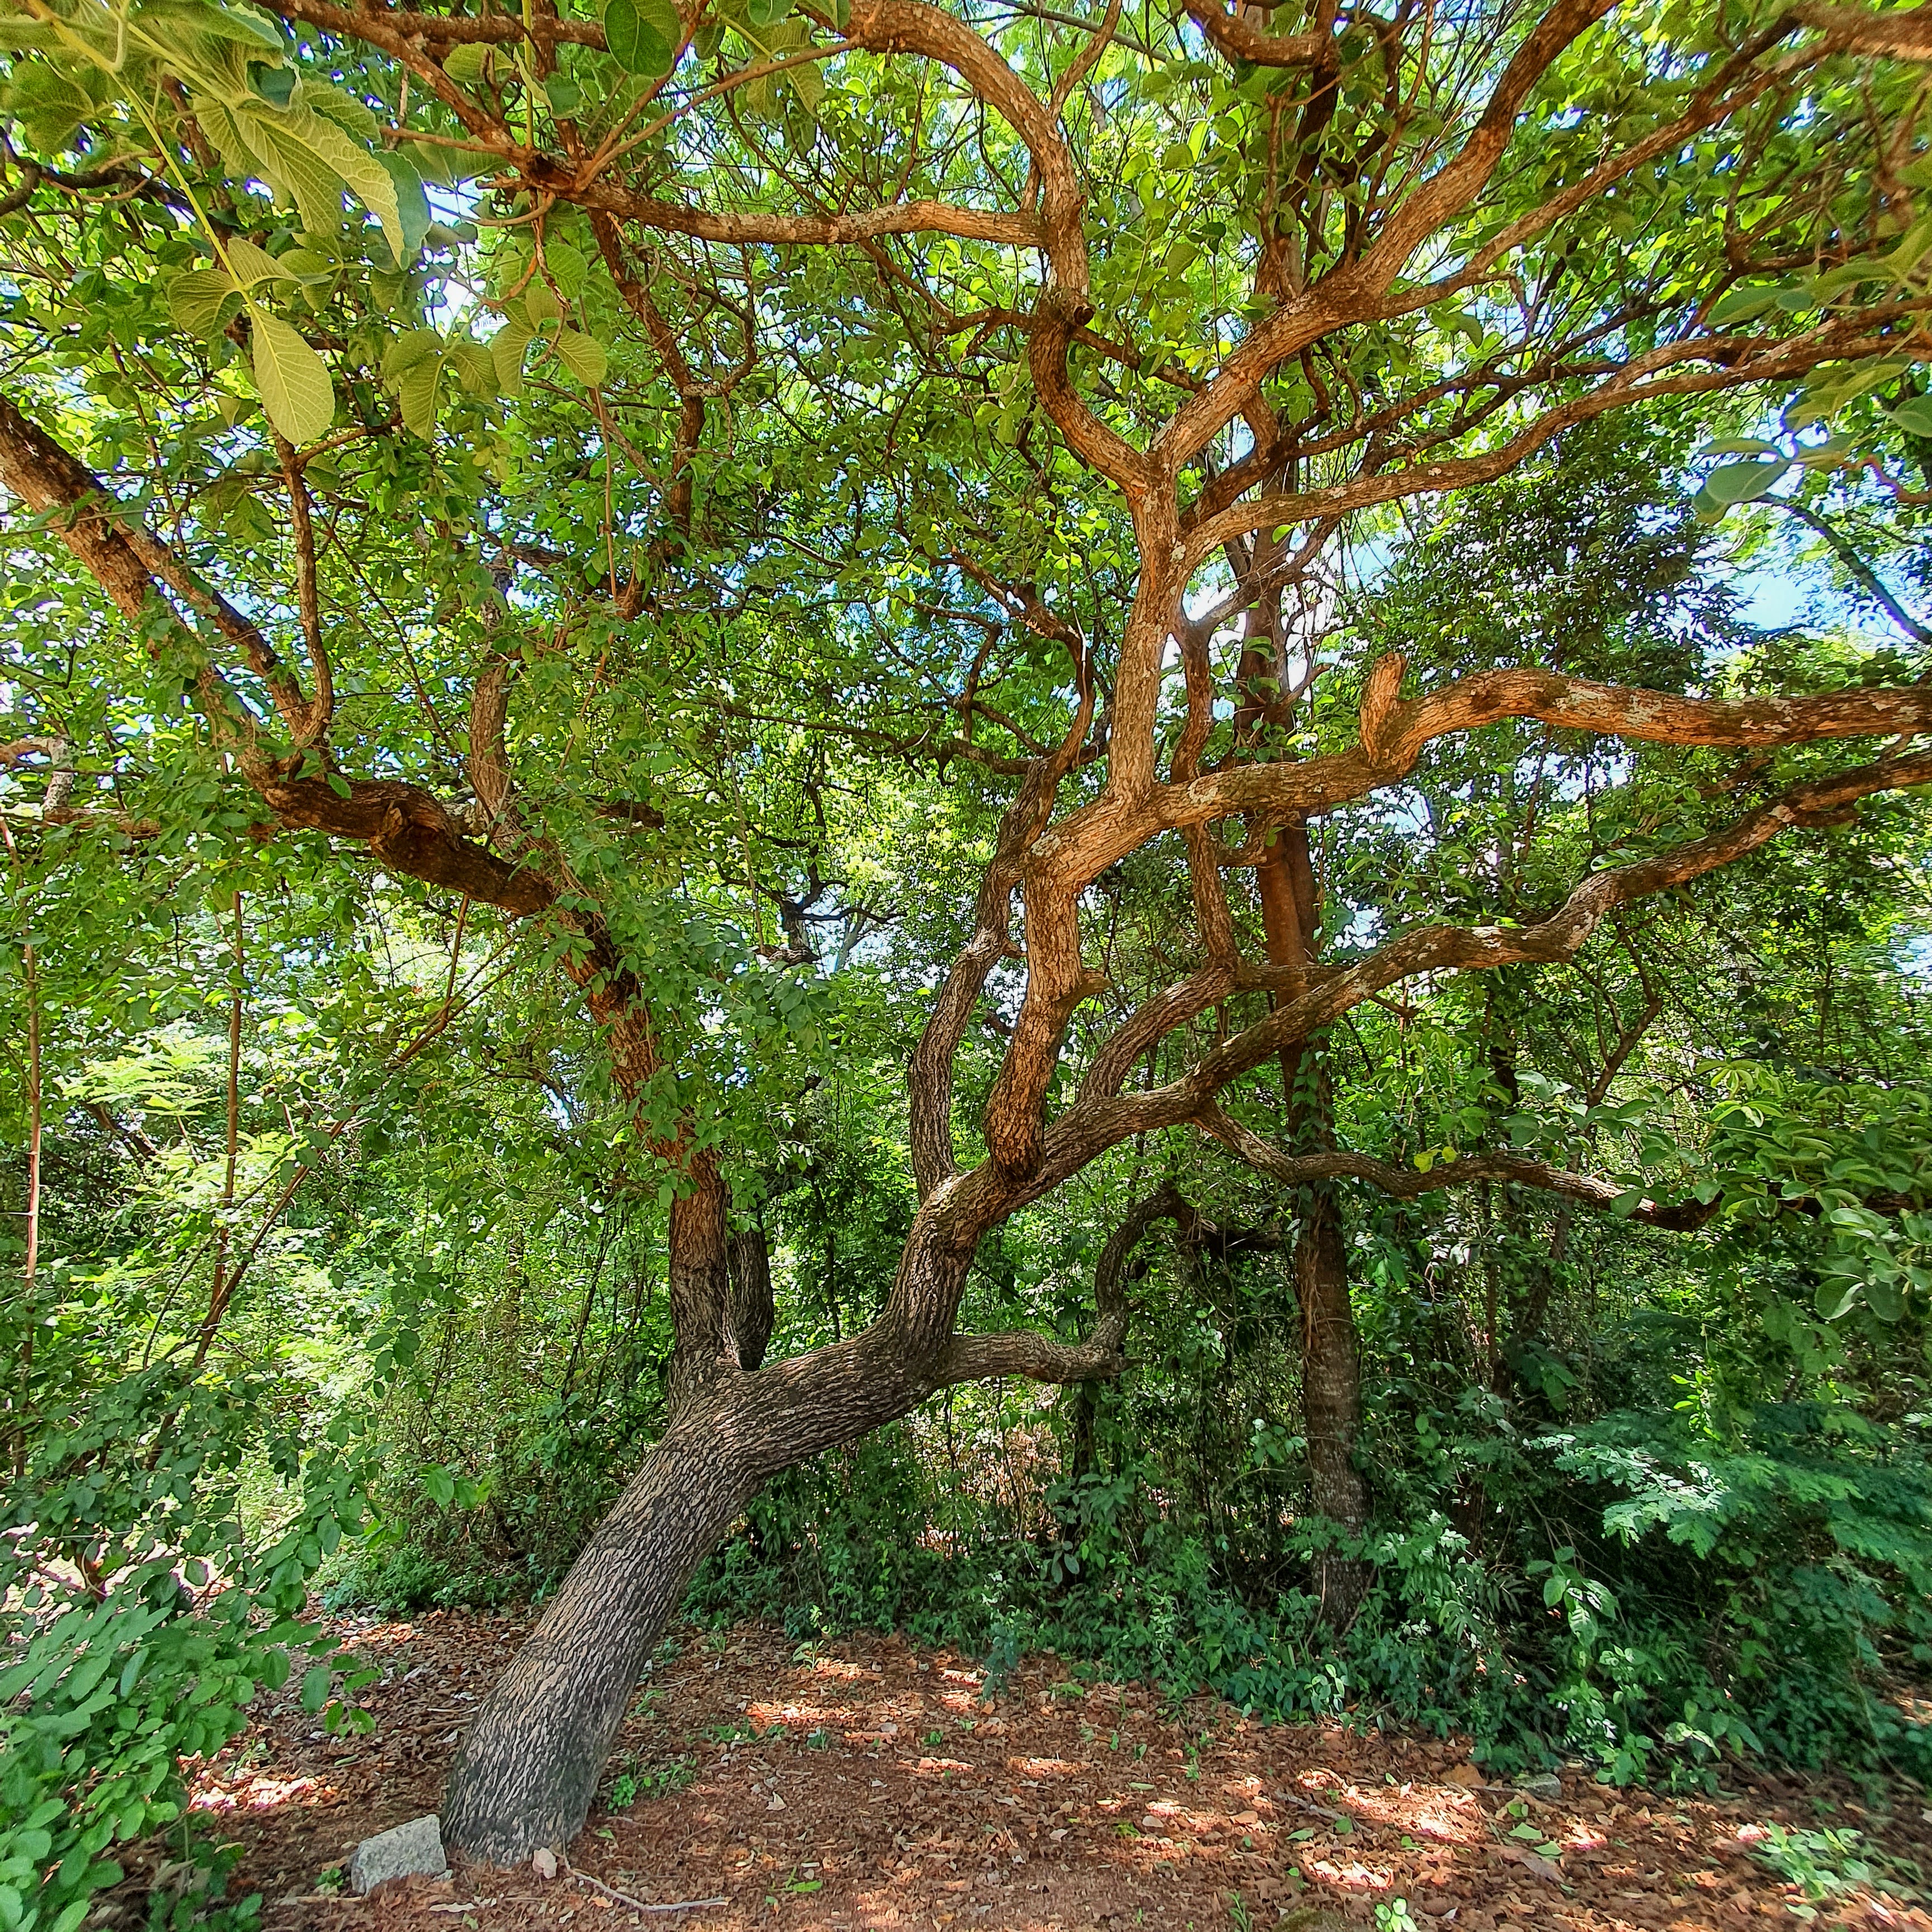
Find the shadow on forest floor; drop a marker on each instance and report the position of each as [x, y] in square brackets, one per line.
[862, 1783]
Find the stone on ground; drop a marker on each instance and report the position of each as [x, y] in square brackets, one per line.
[410, 1848]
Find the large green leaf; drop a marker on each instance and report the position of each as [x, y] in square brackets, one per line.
[635, 43]
[251, 265]
[413, 208]
[1914, 417]
[582, 356]
[1744, 482]
[415, 388]
[507, 348]
[293, 380]
[199, 301]
[314, 162]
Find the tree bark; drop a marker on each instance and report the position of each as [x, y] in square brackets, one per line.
[529, 1767]
[1331, 1397]
[1331, 1367]
[750, 1313]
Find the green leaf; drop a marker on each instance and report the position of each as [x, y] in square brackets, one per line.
[565, 266]
[315, 1686]
[467, 64]
[199, 301]
[313, 161]
[241, 24]
[292, 379]
[1744, 482]
[1915, 417]
[475, 366]
[808, 82]
[1886, 1298]
[540, 303]
[583, 356]
[635, 44]
[413, 210]
[1744, 305]
[251, 266]
[664, 19]
[766, 12]
[507, 348]
[415, 389]
[414, 346]
[1834, 1297]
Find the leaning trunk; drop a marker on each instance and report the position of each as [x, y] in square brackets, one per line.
[529, 1764]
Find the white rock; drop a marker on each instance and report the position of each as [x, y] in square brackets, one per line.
[415, 1847]
[545, 1860]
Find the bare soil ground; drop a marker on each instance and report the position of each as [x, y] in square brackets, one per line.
[867, 1784]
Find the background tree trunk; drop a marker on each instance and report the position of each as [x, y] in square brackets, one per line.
[1331, 1395]
[1331, 1371]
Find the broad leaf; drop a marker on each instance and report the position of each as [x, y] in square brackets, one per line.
[583, 356]
[200, 300]
[293, 380]
[635, 44]
[1744, 482]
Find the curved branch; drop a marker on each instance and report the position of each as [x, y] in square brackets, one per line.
[1042, 1358]
[1097, 1120]
[402, 825]
[1905, 33]
[1407, 1183]
[1241, 40]
[1084, 845]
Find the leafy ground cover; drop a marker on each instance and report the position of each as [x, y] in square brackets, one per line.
[869, 1783]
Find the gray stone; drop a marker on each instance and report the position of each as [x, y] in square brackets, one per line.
[1545, 1785]
[410, 1848]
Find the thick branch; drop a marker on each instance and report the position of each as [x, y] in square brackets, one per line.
[1098, 1121]
[1084, 845]
[402, 825]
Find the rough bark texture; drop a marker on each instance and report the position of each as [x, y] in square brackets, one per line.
[529, 1764]
[1331, 1394]
[750, 1313]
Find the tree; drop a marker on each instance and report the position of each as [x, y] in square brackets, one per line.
[796, 347]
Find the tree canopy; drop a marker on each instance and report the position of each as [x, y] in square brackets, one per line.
[862, 655]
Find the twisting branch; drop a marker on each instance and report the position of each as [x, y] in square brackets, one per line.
[1409, 1183]
[1041, 1358]
[405, 827]
[1099, 1119]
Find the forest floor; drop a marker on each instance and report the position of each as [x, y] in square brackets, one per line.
[866, 1784]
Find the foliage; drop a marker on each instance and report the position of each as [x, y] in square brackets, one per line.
[575, 631]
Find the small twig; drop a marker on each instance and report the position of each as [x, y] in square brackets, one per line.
[638, 1904]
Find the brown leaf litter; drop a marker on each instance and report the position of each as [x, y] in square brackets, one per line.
[864, 1784]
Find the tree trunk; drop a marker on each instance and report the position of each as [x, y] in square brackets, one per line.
[1331, 1366]
[1331, 1396]
[750, 1313]
[529, 1767]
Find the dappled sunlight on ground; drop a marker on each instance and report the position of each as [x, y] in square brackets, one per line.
[863, 1784]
